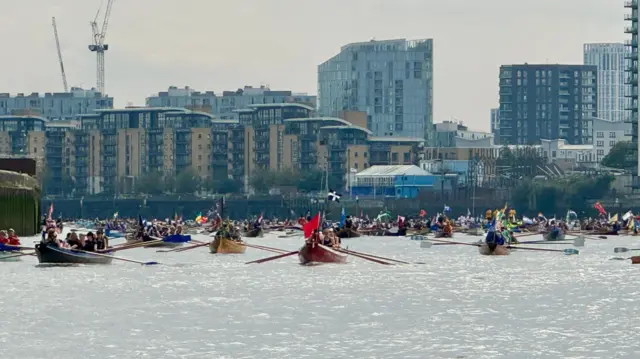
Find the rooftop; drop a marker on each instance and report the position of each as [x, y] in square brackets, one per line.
[347, 127]
[396, 139]
[398, 170]
[12, 117]
[282, 104]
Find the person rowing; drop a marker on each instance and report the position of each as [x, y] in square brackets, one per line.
[494, 239]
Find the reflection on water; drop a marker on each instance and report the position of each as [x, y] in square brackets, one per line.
[455, 304]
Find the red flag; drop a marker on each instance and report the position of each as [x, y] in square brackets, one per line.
[311, 226]
[599, 208]
[50, 211]
[423, 213]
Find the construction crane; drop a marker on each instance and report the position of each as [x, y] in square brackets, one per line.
[98, 46]
[64, 75]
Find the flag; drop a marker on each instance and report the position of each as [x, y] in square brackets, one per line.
[140, 221]
[259, 220]
[115, 215]
[50, 211]
[627, 215]
[614, 219]
[446, 208]
[422, 213]
[81, 201]
[400, 219]
[311, 226]
[343, 218]
[599, 208]
[198, 217]
[468, 212]
[334, 196]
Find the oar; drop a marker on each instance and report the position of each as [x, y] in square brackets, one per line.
[348, 251]
[577, 242]
[18, 255]
[273, 258]
[131, 246]
[118, 258]
[184, 248]
[624, 249]
[452, 242]
[565, 251]
[265, 248]
[363, 256]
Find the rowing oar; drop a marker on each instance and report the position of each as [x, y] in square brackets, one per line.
[362, 256]
[565, 251]
[182, 249]
[451, 242]
[118, 258]
[348, 251]
[18, 255]
[265, 248]
[136, 245]
[624, 250]
[273, 258]
[577, 242]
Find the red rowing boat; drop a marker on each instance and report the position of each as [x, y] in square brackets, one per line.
[313, 252]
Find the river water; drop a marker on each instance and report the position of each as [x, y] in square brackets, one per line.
[456, 304]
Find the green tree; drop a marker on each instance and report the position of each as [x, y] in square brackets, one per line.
[225, 185]
[286, 177]
[621, 156]
[149, 183]
[67, 184]
[262, 180]
[310, 181]
[188, 181]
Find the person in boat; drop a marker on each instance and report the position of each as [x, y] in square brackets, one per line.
[73, 241]
[348, 223]
[494, 239]
[13, 238]
[90, 244]
[51, 238]
[447, 228]
[102, 241]
[179, 229]
[4, 239]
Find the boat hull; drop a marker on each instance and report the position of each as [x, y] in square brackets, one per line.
[317, 253]
[498, 251]
[635, 260]
[254, 233]
[475, 231]
[347, 233]
[441, 234]
[52, 255]
[551, 236]
[227, 246]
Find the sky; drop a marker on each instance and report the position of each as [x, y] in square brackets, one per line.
[223, 45]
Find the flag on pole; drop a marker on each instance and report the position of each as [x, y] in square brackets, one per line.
[334, 196]
[50, 214]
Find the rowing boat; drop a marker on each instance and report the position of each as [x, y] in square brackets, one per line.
[347, 233]
[443, 234]
[313, 252]
[9, 253]
[170, 241]
[477, 231]
[499, 250]
[256, 232]
[554, 236]
[222, 245]
[56, 255]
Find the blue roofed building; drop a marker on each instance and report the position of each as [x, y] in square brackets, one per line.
[402, 181]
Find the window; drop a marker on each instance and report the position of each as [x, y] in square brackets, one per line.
[600, 152]
[612, 143]
[599, 143]
[394, 157]
[612, 135]
[600, 134]
[553, 154]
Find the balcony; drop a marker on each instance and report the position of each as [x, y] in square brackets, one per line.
[632, 43]
[632, 4]
[630, 17]
[631, 30]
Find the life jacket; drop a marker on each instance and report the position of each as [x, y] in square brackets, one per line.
[14, 241]
[4, 240]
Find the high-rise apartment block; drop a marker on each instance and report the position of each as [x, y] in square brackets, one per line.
[610, 60]
[392, 81]
[547, 102]
[54, 106]
[225, 106]
[632, 81]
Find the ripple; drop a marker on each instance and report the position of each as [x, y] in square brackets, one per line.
[457, 304]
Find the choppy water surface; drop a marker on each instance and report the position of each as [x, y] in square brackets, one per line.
[458, 304]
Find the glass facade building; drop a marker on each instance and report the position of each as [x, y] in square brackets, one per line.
[610, 59]
[392, 81]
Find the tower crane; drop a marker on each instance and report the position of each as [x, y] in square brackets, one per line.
[64, 75]
[98, 46]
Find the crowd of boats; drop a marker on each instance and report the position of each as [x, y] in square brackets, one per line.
[88, 242]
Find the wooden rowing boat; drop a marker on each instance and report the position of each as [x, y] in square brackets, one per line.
[254, 233]
[635, 260]
[484, 249]
[55, 255]
[170, 241]
[9, 253]
[313, 252]
[222, 245]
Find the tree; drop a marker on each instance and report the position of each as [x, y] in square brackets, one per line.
[67, 184]
[621, 156]
[224, 185]
[188, 181]
[262, 180]
[150, 183]
[310, 181]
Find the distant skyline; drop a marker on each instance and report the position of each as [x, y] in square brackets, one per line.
[220, 45]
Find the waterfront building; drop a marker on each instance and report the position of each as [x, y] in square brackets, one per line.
[226, 105]
[391, 81]
[606, 134]
[610, 60]
[55, 106]
[495, 125]
[546, 101]
[632, 81]
[456, 134]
